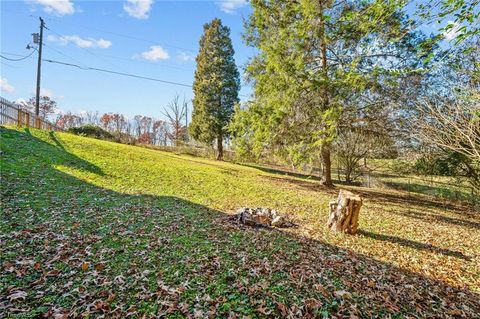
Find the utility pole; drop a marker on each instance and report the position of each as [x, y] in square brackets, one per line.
[39, 67]
[186, 120]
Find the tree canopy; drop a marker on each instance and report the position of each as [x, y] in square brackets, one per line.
[317, 59]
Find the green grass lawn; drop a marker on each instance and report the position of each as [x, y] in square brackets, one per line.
[91, 228]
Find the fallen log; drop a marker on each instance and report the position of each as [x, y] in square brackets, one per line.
[262, 217]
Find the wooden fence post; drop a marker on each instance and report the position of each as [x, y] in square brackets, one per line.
[19, 118]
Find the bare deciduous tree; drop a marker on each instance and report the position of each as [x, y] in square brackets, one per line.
[453, 126]
[176, 113]
[364, 131]
[160, 133]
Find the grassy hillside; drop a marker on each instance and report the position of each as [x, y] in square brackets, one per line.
[90, 227]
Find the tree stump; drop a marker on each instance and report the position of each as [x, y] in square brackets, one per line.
[344, 212]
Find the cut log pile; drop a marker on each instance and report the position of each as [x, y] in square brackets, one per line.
[264, 217]
[344, 213]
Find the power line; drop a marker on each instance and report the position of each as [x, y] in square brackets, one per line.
[122, 35]
[84, 67]
[11, 53]
[144, 62]
[127, 36]
[10, 66]
[19, 59]
[63, 54]
[240, 66]
[64, 38]
[87, 68]
[114, 57]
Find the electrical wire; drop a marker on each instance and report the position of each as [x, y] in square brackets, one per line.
[20, 59]
[240, 66]
[10, 53]
[63, 54]
[127, 36]
[87, 68]
[64, 38]
[120, 35]
[135, 60]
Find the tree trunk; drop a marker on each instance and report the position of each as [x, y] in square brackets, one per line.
[348, 175]
[325, 151]
[326, 166]
[344, 213]
[219, 147]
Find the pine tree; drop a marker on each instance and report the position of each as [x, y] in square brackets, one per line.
[215, 87]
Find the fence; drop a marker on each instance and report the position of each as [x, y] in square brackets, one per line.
[194, 150]
[442, 188]
[11, 114]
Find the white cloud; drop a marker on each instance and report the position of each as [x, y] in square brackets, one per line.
[5, 86]
[139, 9]
[103, 44]
[58, 7]
[184, 57]
[155, 53]
[229, 6]
[81, 42]
[453, 31]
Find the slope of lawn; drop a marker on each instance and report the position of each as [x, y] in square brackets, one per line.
[92, 228]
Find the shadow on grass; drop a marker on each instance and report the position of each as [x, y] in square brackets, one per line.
[303, 180]
[443, 192]
[45, 150]
[414, 244]
[440, 218]
[279, 171]
[410, 199]
[287, 172]
[161, 255]
[54, 139]
[302, 183]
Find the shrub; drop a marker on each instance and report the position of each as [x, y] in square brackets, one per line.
[91, 131]
[448, 163]
[400, 166]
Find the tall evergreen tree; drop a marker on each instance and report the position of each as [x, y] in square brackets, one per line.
[215, 87]
[314, 56]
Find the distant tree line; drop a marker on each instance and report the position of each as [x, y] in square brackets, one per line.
[172, 130]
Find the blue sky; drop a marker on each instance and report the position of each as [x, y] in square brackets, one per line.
[154, 39]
